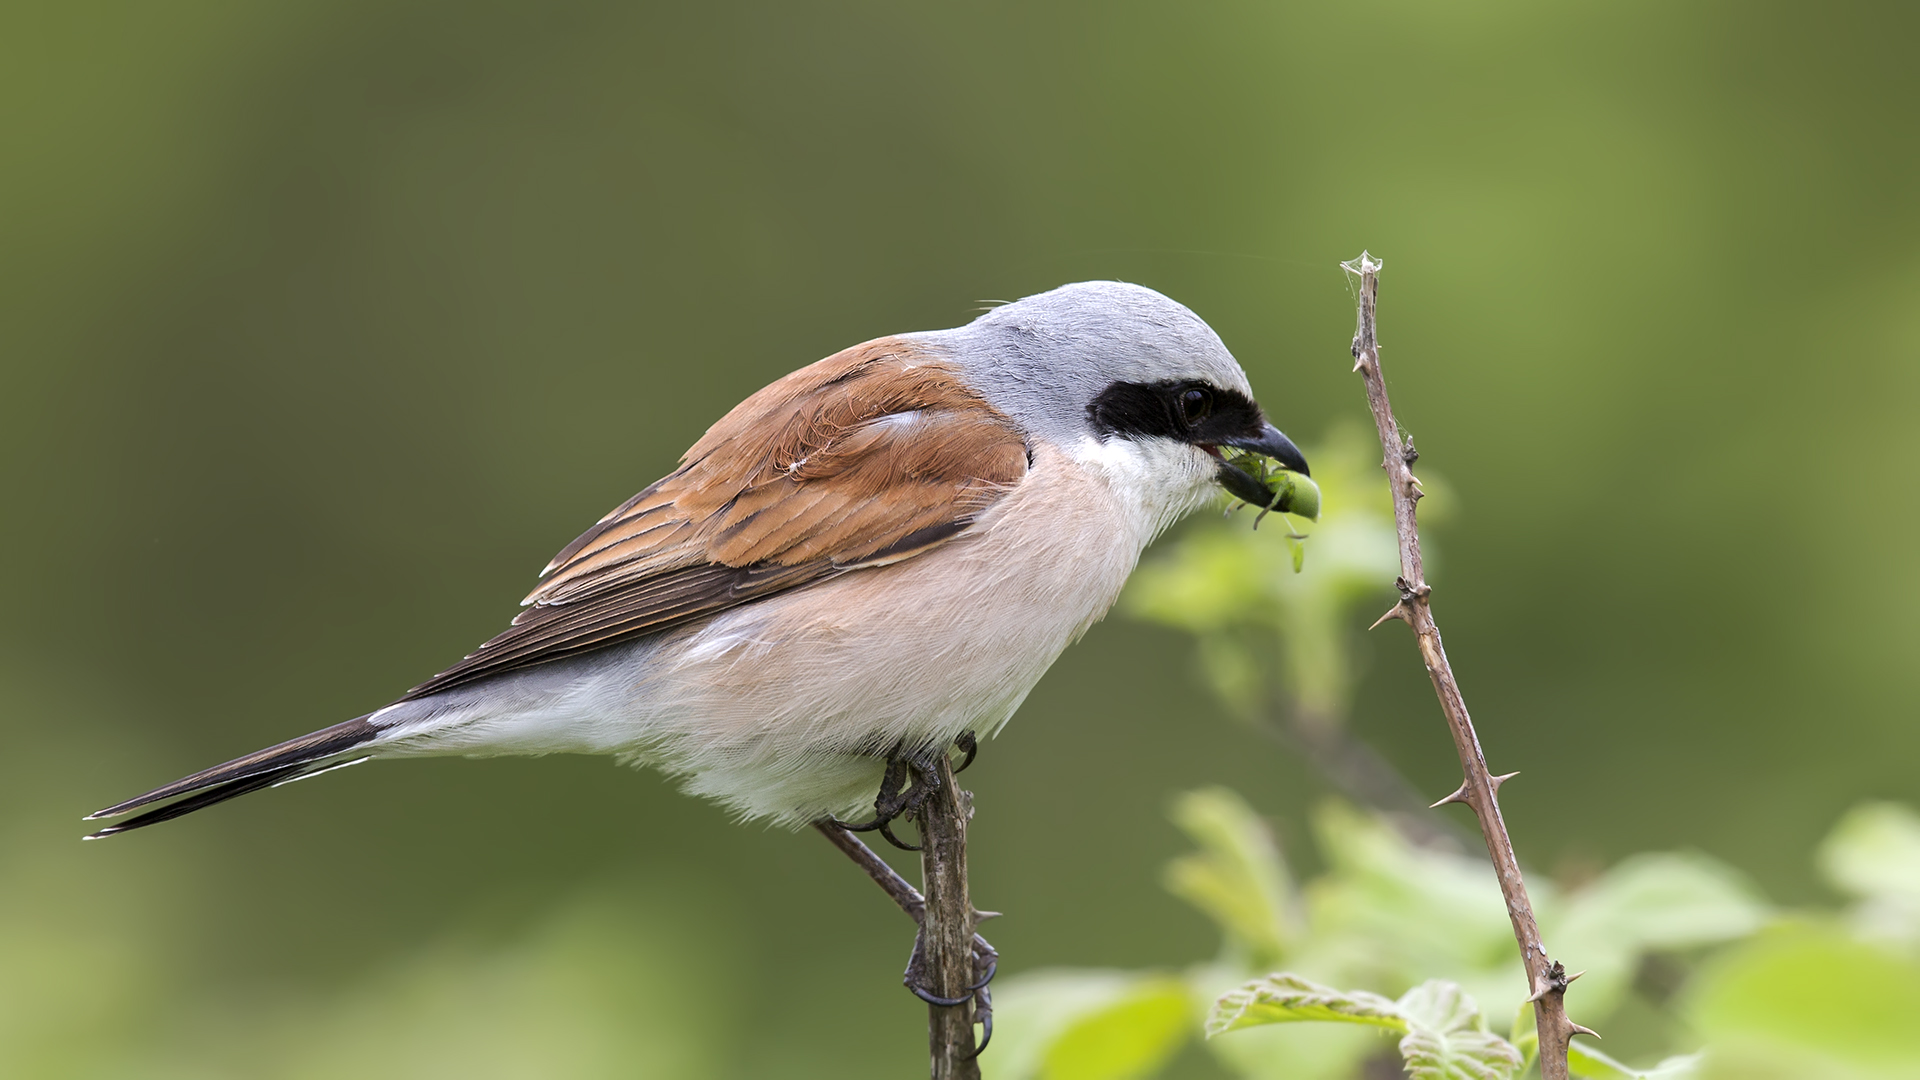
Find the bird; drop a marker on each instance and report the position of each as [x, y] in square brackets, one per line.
[870, 560]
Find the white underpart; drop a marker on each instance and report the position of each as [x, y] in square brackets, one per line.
[1156, 481]
[783, 708]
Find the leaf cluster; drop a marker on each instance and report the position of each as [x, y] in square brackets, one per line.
[1767, 993]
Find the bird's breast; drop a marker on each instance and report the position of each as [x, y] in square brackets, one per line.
[949, 640]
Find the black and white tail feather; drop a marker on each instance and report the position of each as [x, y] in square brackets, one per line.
[296, 759]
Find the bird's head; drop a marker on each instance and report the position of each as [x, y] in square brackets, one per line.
[1135, 384]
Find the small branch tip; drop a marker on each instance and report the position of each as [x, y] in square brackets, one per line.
[1548, 979]
[1365, 264]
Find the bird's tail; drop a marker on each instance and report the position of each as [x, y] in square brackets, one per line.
[295, 759]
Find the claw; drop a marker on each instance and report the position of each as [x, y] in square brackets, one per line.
[890, 803]
[884, 825]
[993, 966]
[886, 830]
[983, 954]
[969, 746]
[932, 998]
[982, 1015]
[916, 969]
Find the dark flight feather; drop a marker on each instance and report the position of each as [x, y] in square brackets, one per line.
[237, 777]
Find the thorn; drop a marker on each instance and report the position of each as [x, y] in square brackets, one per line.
[1359, 358]
[1555, 977]
[1460, 796]
[1575, 975]
[1501, 779]
[1580, 1029]
[1397, 611]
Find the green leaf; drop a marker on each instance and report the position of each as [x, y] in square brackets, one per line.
[1874, 851]
[1286, 998]
[1131, 1037]
[1656, 901]
[1525, 1034]
[1238, 877]
[1390, 913]
[1443, 1035]
[1669, 901]
[1300, 1051]
[1206, 581]
[1440, 1005]
[1461, 1055]
[1591, 1064]
[1087, 1025]
[1448, 1039]
[1873, 854]
[1808, 1000]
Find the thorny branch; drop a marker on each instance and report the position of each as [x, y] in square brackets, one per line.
[948, 944]
[948, 929]
[1547, 978]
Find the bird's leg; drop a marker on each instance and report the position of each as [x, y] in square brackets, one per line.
[889, 879]
[896, 799]
[986, 963]
[891, 803]
[986, 959]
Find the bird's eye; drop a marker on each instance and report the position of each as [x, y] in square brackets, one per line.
[1195, 404]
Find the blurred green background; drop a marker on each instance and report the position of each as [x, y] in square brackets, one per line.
[322, 326]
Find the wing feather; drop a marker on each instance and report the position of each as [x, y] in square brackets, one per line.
[868, 457]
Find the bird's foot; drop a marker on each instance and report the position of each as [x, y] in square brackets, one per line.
[986, 962]
[897, 799]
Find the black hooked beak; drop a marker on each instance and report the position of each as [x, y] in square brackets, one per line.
[1270, 442]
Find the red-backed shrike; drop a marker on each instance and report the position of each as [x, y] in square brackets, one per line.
[874, 556]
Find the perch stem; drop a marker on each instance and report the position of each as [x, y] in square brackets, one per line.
[948, 926]
[1547, 979]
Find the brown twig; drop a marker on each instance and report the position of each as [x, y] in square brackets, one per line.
[945, 916]
[948, 926]
[1548, 979]
[902, 891]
